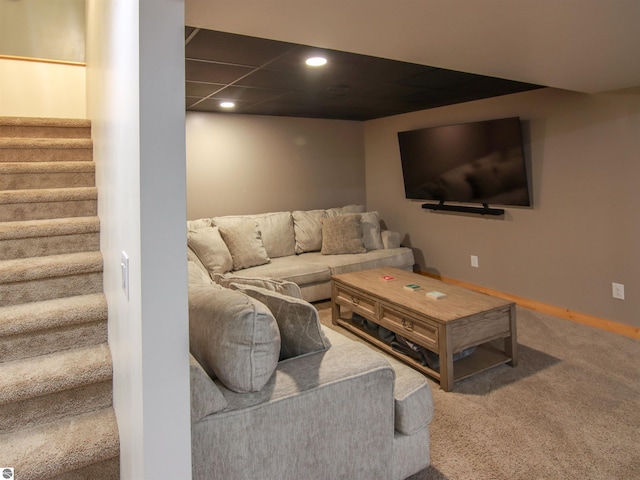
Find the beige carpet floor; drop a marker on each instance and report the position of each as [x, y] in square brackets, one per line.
[569, 410]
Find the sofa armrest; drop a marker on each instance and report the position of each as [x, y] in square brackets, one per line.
[206, 397]
[315, 412]
[390, 239]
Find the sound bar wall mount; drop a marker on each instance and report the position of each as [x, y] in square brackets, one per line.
[484, 210]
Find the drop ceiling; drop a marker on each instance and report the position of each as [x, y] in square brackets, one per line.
[269, 77]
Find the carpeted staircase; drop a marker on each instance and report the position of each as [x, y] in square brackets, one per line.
[56, 414]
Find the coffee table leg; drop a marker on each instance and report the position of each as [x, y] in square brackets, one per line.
[446, 360]
[511, 342]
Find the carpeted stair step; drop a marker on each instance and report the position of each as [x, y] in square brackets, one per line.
[105, 470]
[17, 205]
[32, 175]
[46, 149]
[37, 238]
[67, 445]
[35, 279]
[49, 387]
[40, 328]
[39, 127]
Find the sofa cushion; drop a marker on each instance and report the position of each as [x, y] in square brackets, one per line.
[398, 257]
[206, 397]
[275, 228]
[199, 223]
[294, 268]
[245, 244]
[334, 212]
[412, 393]
[412, 397]
[234, 337]
[211, 249]
[284, 287]
[307, 226]
[342, 234]
[298, 321]
[196, 276]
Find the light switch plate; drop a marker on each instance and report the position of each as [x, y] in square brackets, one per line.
[124, 267]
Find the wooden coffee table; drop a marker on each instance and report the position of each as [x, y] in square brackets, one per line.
[446, 326]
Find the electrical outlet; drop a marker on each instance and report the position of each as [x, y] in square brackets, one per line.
[617, 290]
[474, 261]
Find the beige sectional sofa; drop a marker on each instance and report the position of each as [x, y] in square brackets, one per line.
[276, 395]
[305, 247]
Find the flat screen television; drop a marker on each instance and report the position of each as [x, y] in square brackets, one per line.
[478, 163]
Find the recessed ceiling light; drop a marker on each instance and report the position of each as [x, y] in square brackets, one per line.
[316, 61]
[227, 104]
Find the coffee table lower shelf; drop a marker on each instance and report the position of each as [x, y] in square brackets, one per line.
[486, 355]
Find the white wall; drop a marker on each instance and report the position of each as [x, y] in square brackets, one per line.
[135, 56]
[38, 89]
[239, 164]
[582, 232]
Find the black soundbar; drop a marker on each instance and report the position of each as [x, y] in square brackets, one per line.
[483, 210]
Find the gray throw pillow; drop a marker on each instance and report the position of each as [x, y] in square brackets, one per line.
[245, 244]
[341, 235]
[298, 321]
[234, 337]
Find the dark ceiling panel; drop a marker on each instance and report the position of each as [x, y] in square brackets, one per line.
[200, 89]
[234, 49]
[214, 72]
[266, 77]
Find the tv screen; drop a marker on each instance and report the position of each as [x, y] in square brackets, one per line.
[480, 162]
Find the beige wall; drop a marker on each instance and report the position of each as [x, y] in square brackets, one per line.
[583, 230]
[37, 89]
[239, 164]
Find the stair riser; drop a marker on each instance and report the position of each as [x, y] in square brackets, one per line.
[49, 288]
[47, 408]
[32, 344]
[26, 181]
[11, 212]
[54, 245]
[25, 131]
[46, 155]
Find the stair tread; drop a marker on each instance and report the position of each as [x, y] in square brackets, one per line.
[47, 167]
[63, 445]
[44, 122]
[48, 314]
[54, 372]
[31, 268]
[42, 143]
[48, 195]
[49, 227]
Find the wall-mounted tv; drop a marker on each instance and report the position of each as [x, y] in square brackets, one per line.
[478, 163]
